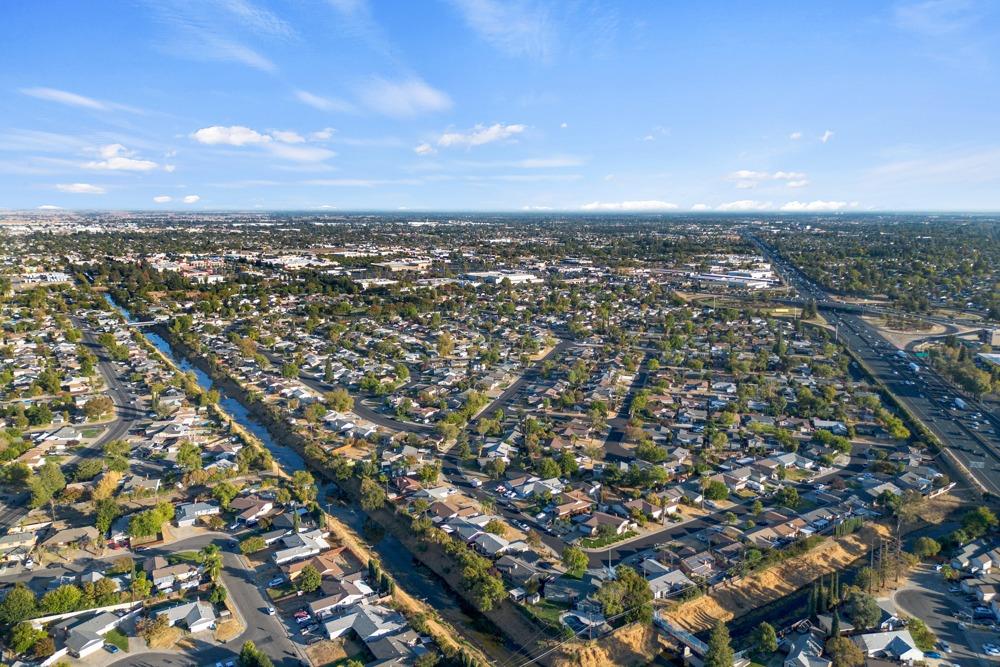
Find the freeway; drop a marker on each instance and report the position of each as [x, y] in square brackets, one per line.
[972, 440]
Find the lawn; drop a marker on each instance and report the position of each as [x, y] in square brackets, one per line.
[547, 611]
[596, 542]
[118, 639]
[92, 431]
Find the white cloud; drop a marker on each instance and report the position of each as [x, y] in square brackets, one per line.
[746, 178]
[641, 205]
[162, 199]
[798, 184]
[480, 134]
[549, 162]
[64, 97]
[300, 153]
[49, 207]
[233, 135]
[323, 103]
[169, 168]
[74, 100]
[191, 199]
[81, 188]
[701, 207]
[536, 208]
[814, 206]
[424, 149]
[322, 135]
[826, 136]
[403, 98]
[795, 136]
[745, 205]
[288, 136]
[564, 125]
[361, 182]
[515, 28]
[118, 158]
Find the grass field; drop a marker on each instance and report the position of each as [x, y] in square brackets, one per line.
[118, 639]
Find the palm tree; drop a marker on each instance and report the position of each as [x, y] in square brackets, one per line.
[211, 559]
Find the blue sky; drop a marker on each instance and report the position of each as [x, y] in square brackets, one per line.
[500, 105]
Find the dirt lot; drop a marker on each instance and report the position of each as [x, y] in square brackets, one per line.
[762, 587]
[629, 645]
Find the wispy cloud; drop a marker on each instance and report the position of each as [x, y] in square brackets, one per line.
[218, 31]
[81, 188]
[826, 136]
[517, 28]
[480, 134]
[638, 205]
[361, 182]
[748, 178]
[323, 103]
[935, 17]
[745, 205]
[402, 99]
[75, 100]
[816, 206]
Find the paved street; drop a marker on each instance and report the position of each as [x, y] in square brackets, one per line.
[245, 586]
[926, 597]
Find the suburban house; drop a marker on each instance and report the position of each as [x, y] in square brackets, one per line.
[85, 637]
[894, 645]
[195, 616]
[300, 545]
[188, 513]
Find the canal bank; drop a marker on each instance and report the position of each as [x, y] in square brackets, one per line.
[287, 447]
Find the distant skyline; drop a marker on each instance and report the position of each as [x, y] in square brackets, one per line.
[500, 105]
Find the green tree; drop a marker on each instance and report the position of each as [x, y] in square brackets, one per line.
[720, 651]
[142, 587]
[765, 639]
[844, 653]
[575, 560]
[978, 521]
[211, 561]
[19, 605]
[303, 486]
[252, 544]
[189, 456]
[224, 492]
[309, 579]
[926, 547]
[61, 600]
[865, 611]
[107, 510]
[23, 637]
[251, 656]
[372, 495]
[922, 635]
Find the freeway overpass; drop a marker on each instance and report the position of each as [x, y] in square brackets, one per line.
[973, 442]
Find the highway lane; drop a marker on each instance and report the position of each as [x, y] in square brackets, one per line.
[924, 393]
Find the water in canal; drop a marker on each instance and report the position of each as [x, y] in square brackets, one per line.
[395, 557]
